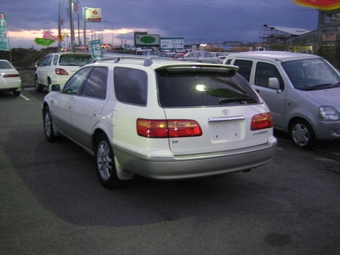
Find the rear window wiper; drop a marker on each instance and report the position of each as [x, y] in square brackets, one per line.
[241, 100]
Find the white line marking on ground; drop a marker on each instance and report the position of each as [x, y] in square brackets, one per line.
[25, 97]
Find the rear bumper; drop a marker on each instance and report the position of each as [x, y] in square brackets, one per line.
[192, 166]
[14, 85]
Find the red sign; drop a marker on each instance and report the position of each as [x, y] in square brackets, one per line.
[325, 5]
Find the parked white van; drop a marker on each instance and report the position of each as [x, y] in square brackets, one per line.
[301, 90]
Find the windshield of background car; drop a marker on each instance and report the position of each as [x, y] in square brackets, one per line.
[311, 74]
[190, 87]
[74, 60]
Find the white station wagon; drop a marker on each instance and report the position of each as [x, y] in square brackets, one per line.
[161, 119]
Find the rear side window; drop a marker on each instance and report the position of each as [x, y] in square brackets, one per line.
[47, 61]
[95, 85]
[130, 85]
[55, 59]
[228, 62]
[192, 87]
[244, 68]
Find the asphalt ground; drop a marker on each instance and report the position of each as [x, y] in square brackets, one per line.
[52, 203]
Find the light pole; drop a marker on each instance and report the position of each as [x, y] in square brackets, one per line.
[59, 24]
[71, 6]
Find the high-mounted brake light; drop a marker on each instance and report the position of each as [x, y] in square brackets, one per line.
[11, 75]
[168, 128]
[262, 121]
[60, 71]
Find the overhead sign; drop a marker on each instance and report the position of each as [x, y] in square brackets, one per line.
[93, 14]
[169, 43]
[147, 40]
[4, 45]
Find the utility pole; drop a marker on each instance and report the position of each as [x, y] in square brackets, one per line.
[59, 25]
[84, 27]
[71, 24]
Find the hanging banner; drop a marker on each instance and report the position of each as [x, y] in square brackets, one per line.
[93, 14]
[4, 45]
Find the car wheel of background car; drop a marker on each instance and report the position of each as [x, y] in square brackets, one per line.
[37, 86]
[48, 126]
[16, 93]
[49, 83]
[302, 134]
[105, 164]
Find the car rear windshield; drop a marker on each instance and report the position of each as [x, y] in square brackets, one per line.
[190, 87]
[74, 60]
[5, 65]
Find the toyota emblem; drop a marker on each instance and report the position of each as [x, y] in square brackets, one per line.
[225, 112]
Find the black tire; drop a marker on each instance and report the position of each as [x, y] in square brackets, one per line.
[105, 164]
[48, 126]
[16, 93]
[302, 134]
[37, 86]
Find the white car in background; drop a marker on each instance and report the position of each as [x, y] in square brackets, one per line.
[215, 56]
[9, 78]
[194, 55]
[57, 68]
[161, 119]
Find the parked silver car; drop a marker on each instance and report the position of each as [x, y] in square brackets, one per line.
[301, 90]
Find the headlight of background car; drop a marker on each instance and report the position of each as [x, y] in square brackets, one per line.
[328, 113]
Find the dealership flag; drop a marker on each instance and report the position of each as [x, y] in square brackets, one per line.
[325, 5]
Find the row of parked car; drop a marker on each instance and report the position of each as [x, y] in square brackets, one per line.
[167, 119]
[217, 57]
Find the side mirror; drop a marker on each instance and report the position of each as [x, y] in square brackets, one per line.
[54, 87]
[37, 64]
[274, 83]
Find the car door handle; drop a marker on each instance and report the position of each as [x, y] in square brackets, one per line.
[257, 90]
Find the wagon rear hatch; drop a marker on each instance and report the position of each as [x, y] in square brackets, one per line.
[210, 108]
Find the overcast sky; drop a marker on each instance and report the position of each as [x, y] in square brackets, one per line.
[197, 21]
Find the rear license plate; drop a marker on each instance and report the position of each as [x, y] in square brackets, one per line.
[225, 130]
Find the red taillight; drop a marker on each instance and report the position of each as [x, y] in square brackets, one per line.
[11, 75]
[60, 71]
[168, 128]
[261, 121]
